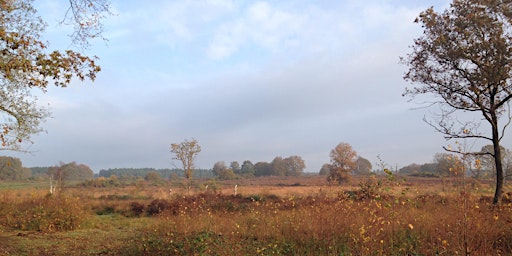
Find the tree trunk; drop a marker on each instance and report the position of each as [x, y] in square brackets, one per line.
[499, 166]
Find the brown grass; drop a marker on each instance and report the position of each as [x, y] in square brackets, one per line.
[299, 216]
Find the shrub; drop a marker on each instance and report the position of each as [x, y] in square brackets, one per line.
[137, 208]
[157, 206]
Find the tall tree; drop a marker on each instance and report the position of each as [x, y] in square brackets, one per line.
[343, 162]
[464, 60]
[26, 63]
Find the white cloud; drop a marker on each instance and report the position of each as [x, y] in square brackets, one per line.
[249, 80]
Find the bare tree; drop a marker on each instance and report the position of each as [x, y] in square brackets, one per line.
[464, 60]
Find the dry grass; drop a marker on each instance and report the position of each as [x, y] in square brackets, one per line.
[300, 216]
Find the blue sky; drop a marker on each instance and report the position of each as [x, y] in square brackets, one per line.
[250, 80]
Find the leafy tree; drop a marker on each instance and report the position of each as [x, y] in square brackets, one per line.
[262, 169]
[464, 59]
[363, 166]
[294, 166]
[227, 174]
[247, 168]
[12, 169]
[411, 169]
[26, 63]
[71, 171]
[235, 166]
[325, 170]
[343, 161]
[278, 167]
[153, 177]
[186, 152]
[218, 167]
[446, 164]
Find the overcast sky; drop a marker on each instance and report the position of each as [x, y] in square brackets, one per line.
[250, 80]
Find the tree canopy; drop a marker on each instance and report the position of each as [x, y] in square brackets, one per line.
[464, 60]
[27, 63]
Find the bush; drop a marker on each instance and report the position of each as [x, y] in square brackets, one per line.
[157, 206]
[137, 208]
[43, 214]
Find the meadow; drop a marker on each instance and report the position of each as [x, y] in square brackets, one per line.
[375, 215]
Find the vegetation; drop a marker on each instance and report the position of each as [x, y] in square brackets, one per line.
[464, 60]
[27, 64]
[343, 162]
[186, 152]
[369, 216]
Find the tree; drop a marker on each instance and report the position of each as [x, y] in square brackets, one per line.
[12, 169]
[235, 166]
[218, 167]
[411, 169]
[464, 60]
[363, 166]
[186, 152]
[294, 166]
[486, 162]
[247, 168]
[446, 164]
[27, 64]
[278, 167]
[262, 169]
[325, 170]
[343, 161]
[153, 177]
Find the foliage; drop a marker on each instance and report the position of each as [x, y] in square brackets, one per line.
[426, 222]
[290, 166]
[71, 171]
[186, 152]
[325, 170]
[247, 168]
[343, 162]
[154, 178]
[262, 169]
[221, 171]
[43, 214]
[464, 60]
[102, 182]
[124, 173]
[363, 166]
[25, 64]
[12, 169]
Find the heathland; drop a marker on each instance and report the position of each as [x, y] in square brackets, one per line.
[375, 215]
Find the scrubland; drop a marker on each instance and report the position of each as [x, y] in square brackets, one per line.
[267, 216]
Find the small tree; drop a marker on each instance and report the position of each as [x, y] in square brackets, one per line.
[186, 152]
[343, 162]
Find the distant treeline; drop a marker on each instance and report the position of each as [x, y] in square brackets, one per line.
[142, 172]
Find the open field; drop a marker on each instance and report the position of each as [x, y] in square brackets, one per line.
[267, 216]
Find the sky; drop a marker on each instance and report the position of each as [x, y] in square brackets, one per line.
[249, 80]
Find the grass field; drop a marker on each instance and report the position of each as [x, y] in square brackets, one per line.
[267, 216]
